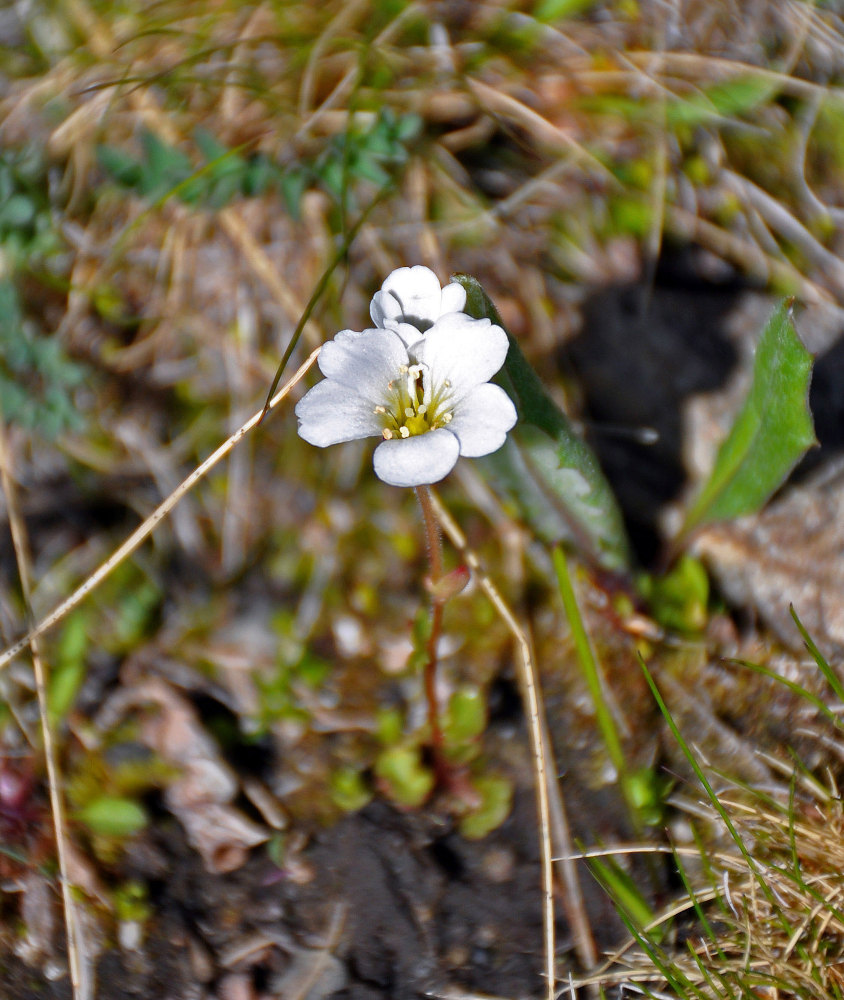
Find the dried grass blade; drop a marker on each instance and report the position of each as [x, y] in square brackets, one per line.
[80, 969]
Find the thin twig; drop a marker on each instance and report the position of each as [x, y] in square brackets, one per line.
[141, 533]
[540, 745]
[80, 981]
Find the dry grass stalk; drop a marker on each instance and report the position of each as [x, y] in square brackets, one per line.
[78, 960]
[786, 943]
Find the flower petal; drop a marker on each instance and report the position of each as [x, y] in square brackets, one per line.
[453, 299]
[481, 420]
[409, 294]
[407, 331]
[414, 461]
[364, 362]
[329, 414]
[463, 350]
[384, 309]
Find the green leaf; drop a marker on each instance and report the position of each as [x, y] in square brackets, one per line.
[18, 211]
[122, 167]
[549, 11]
[771, 433]
[466, 717]
[742, 94]
[210, 147]
[260, 173]
[408, 127]
[165, 169]
[678, 599]
[293, 184]
[113, 816]
[367, 168]
[551, 473]
[71, 668]
[406, 779]
[348, 789]
[389, 725]
[623, 891]
[496, 794]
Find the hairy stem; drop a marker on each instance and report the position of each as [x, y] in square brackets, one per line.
[435, 560]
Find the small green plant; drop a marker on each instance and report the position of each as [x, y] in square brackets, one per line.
[28, 236]
[679, 598]
[37, 378]
[211, 176]
[105, 790]
[296, 669]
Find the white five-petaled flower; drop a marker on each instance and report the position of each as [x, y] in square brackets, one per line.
[431, 400]
[411, 301]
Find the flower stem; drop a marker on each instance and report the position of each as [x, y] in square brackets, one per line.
[435, 559]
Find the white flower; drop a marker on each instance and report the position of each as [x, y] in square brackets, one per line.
[430, 402]
[411, 301]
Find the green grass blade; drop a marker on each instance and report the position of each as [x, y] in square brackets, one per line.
[752, 866]
[591, 674]
[796, 688]
[819, 658]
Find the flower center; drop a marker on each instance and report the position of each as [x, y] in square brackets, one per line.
[412, 405]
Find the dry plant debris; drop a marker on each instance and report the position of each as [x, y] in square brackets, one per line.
[173, 183]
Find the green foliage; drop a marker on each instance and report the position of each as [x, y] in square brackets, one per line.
[104, 786]
[349, 791]
[131, 901]
[496, 800]
[823, 664]
[726, 99]
[278, 692]
[403, 775]
[480, 800]
[136, 610]
[370, 153]
[549, 471]
[463, 724]
[466, 716]
[36, 375]
[644, 790]
[771, 432]
[297, 669]
[712, 796]
[69, 665]
[389, 725]
[28, 235]
[624, 892]
[678, 599]
[549, 11]
[419, 635]
[592, 676]
[113, 816]
[648, 792]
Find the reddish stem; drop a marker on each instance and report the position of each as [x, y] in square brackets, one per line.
[435, 559]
